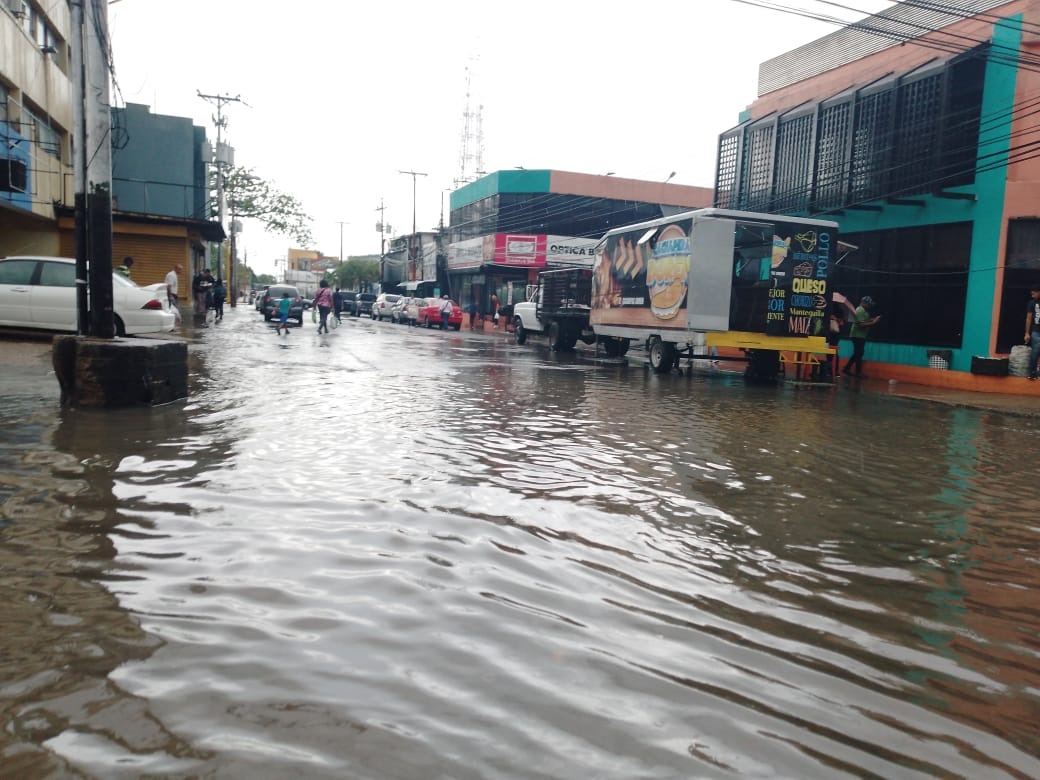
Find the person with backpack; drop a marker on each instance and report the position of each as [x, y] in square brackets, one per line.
[219, 293]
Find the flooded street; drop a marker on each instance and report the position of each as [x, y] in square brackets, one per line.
[399, 553]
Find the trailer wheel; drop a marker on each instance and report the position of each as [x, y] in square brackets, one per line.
[519, 331]
[662, 355]
[615, 347]
[555, 337]
[763, 366]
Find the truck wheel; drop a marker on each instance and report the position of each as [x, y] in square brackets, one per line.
[519, 331]
[662, 355]
[568, 339]
[555, 342]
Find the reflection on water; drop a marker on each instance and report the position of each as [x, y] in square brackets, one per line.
[389, 552]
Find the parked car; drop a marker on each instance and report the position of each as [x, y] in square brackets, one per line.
[39, 292]
[349, 302]
[382, 309]
[399, 309]
[430, 314]
[274, 293]
[365, 301]
[258, 299]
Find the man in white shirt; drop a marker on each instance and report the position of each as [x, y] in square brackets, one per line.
[447, 307]
[172, 284]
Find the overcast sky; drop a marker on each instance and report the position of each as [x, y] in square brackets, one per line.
[341, 96]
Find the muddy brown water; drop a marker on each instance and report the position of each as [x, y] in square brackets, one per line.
[399, 553]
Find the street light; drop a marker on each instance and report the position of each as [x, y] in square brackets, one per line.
[341, 224]
[413, 252]
[670, 177]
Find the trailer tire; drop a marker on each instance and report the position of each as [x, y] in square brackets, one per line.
[763, 367]
[662, 355]
[519, 331]
[615, 347]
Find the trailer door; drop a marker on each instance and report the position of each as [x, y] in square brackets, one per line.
[711, 268]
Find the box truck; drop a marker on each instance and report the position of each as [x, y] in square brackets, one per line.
[715, 278]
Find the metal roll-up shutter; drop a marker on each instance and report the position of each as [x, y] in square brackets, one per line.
[153, 256]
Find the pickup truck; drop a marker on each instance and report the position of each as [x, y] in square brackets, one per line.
[559, 307]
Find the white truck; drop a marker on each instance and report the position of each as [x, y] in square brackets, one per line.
[558, 307]
[716, 278]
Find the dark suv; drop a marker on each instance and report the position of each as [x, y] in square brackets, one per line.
[274, 293]
[364, 303]
[349, 302]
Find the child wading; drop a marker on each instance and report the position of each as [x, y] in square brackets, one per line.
[283, 314]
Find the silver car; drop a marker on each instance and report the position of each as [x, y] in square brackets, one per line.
[382, 308]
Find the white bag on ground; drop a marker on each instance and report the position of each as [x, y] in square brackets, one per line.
[1018, 361]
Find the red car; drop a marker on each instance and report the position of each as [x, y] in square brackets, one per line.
[430, 314]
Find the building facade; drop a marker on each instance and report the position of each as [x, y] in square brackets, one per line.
[160, 214]
[914, 130]
[508, 226]
[36, 93]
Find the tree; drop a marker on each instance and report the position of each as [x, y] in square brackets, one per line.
[251, 197]
[356, 272]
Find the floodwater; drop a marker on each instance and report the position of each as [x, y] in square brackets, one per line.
[400, 553]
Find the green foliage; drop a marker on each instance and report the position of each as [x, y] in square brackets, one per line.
[356, 273]
[251, 197]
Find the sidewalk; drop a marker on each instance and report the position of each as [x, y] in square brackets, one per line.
[1020, 404]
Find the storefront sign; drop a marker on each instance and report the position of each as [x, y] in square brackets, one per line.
[569, 251]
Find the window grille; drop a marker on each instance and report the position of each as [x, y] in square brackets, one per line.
[871, 145]
[794, 150]
[726, 172]
[916, 140]
[757, 170]
[832, 149]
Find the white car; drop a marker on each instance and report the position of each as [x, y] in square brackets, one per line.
[40, 293]
[382, 309]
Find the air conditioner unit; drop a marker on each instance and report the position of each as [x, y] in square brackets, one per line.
[16, 7]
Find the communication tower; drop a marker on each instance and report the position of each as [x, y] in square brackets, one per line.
[471, 156]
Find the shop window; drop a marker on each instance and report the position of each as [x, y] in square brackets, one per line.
[918, 277]
[1022, 271]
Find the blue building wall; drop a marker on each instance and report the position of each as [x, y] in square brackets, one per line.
[157, 165]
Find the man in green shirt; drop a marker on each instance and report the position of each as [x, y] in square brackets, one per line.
[858, 334]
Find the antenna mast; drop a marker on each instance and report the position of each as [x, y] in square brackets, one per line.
[471, 155]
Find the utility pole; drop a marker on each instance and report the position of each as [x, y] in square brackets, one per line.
[341, 224]
[413, 251]
[92, 150]
[223, 157]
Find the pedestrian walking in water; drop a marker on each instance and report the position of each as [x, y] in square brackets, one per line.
[323, 300]
[219, 296]
[494, 310]
[447, 307]
[858, 334]
[337, 304]
[283, 314]
[1033, 329]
